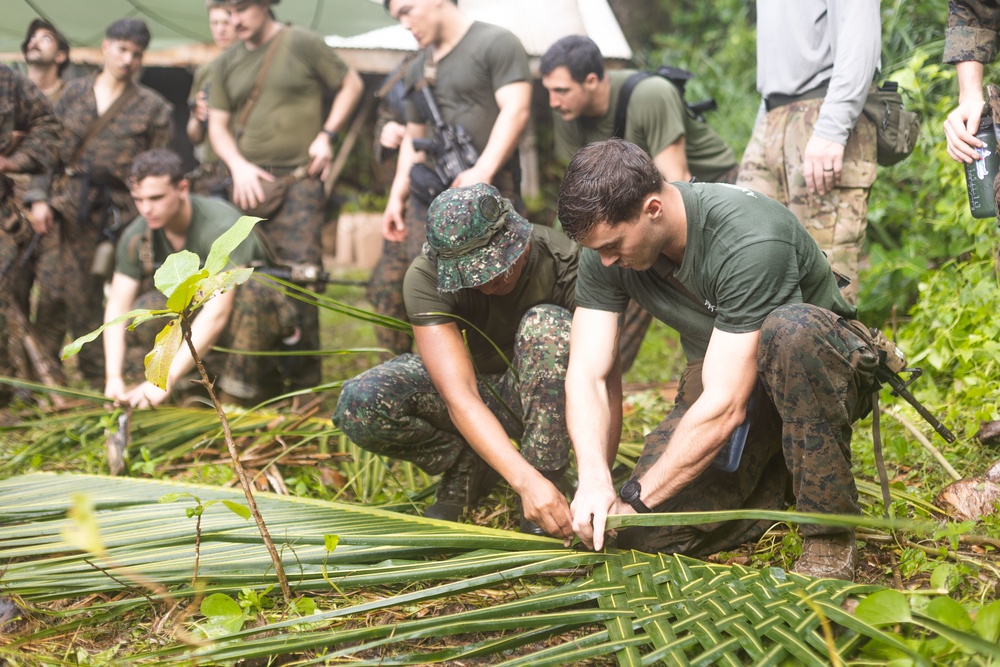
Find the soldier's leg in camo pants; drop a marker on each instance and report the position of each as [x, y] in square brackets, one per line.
[394, 409]
[818, 370]
[772, 165]
[295, 235]
[537, 392]
[261, 318]
[759, 482]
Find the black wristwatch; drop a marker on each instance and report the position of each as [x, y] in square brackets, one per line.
[629, 493]
[330, 134]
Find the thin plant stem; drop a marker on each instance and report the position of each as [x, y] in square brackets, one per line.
[922, 439]
[206, 382]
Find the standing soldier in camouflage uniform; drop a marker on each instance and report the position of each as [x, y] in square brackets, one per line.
[756, 305]
[207, 181]
[485, 271]
[89, 202]
[812, 149]
[252, 317]
[284, 131]
[29, 136]
[478, 75]
[970, 42]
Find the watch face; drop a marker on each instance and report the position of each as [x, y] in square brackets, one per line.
[630, 491]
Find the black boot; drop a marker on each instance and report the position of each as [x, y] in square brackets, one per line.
[462, 485]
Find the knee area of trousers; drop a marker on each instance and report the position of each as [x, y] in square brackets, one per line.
[545, 322]
[355, 407]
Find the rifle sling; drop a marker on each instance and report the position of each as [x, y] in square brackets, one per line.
[101, 123]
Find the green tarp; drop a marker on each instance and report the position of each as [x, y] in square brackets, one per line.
[175, 22]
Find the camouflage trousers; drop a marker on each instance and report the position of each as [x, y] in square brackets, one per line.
[294, 234]
[817, 370]
[261, 317]
[14, 234]
[636, 320]
[772, 165]
[385, 288]
[395, 410]
[70, 298]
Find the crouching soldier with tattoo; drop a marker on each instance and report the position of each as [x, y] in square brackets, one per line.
[486, 276]
[757, 306]
[252, 317]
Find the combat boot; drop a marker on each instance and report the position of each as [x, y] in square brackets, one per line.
[462, 485]
[833, 556]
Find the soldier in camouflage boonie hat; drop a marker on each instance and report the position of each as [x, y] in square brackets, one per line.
[474, 235]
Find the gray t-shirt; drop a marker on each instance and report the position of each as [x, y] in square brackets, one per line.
[803, 43]
[548, 277]
[746, 255]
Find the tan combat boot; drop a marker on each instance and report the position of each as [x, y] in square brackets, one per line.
[833, 556]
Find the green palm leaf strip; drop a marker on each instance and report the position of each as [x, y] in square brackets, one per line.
[636, 608]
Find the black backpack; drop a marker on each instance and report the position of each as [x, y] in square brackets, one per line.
[675, 75]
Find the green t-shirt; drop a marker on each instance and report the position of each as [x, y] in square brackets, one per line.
[288, 113]
[486, 59]
[656, 118]
[548, 277]
[210, 218]
[746, 255]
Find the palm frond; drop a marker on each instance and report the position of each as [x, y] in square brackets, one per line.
[637, 608]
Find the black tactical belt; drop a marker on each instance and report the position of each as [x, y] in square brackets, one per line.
[775, 101]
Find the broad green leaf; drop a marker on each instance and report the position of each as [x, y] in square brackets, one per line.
[987, 623]
[74, 347]
[950, 613]
[222, 611]
[158, 360]
[221, 283]
[331, 542]
[239, 510]
[177, 268]
[179, 299]
[174, 497]
[82, 532]
[944, 577]
[218, 256]
[884, 608]
[304, 606]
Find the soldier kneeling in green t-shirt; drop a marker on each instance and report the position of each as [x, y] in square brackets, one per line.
[252, 317]
[756, 305]
[454, 407]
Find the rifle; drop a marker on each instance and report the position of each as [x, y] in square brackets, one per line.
[452, 150]
[892, 362]
[304, 274]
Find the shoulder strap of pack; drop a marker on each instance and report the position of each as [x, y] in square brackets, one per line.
[621, 111]
[258, 83]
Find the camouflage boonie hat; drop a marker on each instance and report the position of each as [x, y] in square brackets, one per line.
[474, 235]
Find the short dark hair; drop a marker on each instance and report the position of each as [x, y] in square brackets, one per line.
[157, 162]
[61, 42]
[606, 182]
[129, 30]
[385, 3]
[577, 53]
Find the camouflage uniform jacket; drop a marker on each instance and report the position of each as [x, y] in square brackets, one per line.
[26, 115]
[145, 122]
[972, 31]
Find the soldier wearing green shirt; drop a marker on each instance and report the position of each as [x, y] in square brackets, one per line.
[452, 409]
[756, 305]
[284, 131]
[251, 317]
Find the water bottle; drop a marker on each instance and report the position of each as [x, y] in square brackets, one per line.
[980, 174]
[728, 458]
